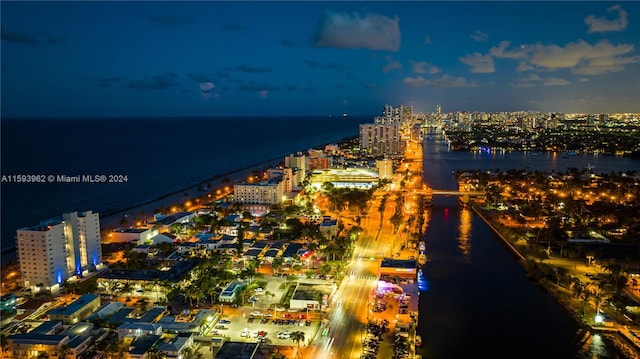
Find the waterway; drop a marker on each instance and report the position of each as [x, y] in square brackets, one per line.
[477, 301]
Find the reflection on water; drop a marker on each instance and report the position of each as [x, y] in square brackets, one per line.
[464, 237]
[486, 298]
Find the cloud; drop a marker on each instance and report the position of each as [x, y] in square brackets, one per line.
[199, 77]
[445, 81]
[601, 24]
[417, 81]
[391, 65]
[327, 65]
[420, 67]
[371, 31]
[533, 80]
[207, 86]
[287, 43]
[529, 81]
[479, 63]
[17, 37]
[479, 36]
[580, 57]
[25, 38]
[232, 27]
[158, 82]
[170, 20]
[554, 81]
[583, 58]
[450, 81]
[501, 51]
[206, 90]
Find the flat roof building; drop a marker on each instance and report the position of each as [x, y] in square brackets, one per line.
[400, 268]
[58, 249]
[229, 294]
[80, 309]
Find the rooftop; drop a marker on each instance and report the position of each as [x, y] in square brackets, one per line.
[398, 263]
[130, 230]
[76, 305]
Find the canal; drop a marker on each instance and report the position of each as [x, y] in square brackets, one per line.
[477, 300]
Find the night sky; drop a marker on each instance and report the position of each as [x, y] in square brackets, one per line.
[118, 59]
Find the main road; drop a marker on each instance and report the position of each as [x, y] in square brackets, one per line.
[341, 334]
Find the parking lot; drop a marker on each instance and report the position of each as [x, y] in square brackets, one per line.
[249, 325]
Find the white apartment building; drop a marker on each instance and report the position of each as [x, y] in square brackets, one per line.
[381, 139]
[385, 169]
[286, 176]
[266, 192]
[58, 249]
[298, 162]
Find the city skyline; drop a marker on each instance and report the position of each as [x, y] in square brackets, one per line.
[118, 59]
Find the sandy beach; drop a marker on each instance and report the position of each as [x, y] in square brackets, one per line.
[146, 210]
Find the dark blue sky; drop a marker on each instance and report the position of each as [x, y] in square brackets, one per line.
[316, 58]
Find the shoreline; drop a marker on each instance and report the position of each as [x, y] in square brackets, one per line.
[112, 217]
[233, 176]
[617, 339]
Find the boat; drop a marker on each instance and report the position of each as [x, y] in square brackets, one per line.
[418, 341]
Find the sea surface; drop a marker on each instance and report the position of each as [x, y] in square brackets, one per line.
[158, 156]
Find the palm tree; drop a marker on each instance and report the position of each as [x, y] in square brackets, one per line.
[116, 350]
[3, 343]
[127, 288]
[277, 264]
[63, 351]
[297, 337]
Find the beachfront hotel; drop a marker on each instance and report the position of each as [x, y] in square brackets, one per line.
[268, 192]
[58, 249]
[298, 162]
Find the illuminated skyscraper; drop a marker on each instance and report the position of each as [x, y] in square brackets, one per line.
[57, 249]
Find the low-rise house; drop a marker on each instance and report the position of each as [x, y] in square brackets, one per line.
[291, 252]
[329, 226]
[163, 223]
[191, 323]
[80, 309]
[132, 235]
[229, 294]
[140, 347]
[138, 329]
[43, 342]
[175, 348]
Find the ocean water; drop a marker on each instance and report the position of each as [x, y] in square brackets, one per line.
[158, 156]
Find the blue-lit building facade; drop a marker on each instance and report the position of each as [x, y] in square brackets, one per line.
[59, 249]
